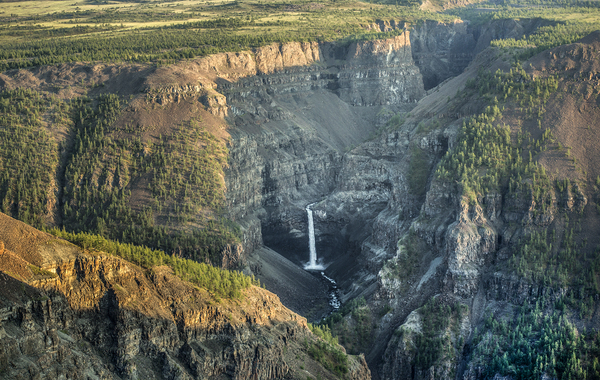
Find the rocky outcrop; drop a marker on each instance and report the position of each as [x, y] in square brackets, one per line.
[380, 72]
[276, 57]
[469, 242]
[371, 73]
[103, 305]
[371, 188]
[102, 317]
[442, 50]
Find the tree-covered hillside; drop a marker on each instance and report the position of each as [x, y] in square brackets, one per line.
[69, 163]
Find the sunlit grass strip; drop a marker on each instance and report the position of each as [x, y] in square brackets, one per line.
[144, 35]
[548, 37]
[219, 282]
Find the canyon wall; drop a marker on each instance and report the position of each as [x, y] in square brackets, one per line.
[294, 126]
[291, 128]
[295, 122]
[378, 201]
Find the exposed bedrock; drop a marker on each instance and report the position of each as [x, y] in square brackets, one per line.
[291, 130]
[444, 50]
[371, 73]
[306, 134]
[296, 120]
[98, 316]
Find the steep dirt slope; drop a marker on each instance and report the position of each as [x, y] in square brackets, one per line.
[574, 112]
[68, 312]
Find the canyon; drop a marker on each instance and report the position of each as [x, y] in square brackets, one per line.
[326, 134]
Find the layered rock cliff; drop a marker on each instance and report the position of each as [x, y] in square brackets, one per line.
[292, 126]
[70, 313]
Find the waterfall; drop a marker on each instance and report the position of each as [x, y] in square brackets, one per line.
[334, 299]
[312, 264]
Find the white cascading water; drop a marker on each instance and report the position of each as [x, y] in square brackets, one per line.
[312, 264]
[334, 300]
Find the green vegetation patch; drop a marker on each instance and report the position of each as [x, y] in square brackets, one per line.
[440, 326]
[410, 250]
[535, 342]
[327, 351]
[353, 324]
[490, 156]
[487, 156]
[37, 271]
[182, 174]
[219, 282]
[560, 263]
[85, 182]
[547, 37]
[28, 155]
[192, 177]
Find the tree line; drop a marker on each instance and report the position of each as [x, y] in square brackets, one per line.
[537, 340]
[219, 282]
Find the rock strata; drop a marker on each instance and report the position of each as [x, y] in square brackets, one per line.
[96, 316]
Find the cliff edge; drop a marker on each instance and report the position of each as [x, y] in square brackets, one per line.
[72, 312]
